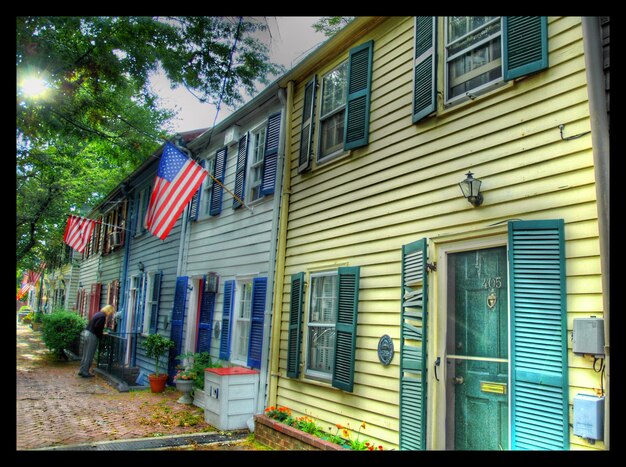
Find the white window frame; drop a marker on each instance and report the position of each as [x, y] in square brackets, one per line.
[253, 148]
[238, 322]
[328, 115]
[472, 93]
[308, 371]
[207, 187]
[148, 302]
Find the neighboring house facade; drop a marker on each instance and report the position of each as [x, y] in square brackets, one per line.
[377, 241]
[223, 299]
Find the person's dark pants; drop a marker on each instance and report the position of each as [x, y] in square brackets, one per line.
[90, 345]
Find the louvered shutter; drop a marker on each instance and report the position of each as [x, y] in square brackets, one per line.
[357, 117]
[227, 314]
[154, 307]
[219, 169]
[306, 131]
[270, 158]
[240, 175]
[413, 357]
[205, 325]
[139, 304]
[295, 324]
[178, 322]
[525, 40]
[539, 380]
[425, 67]
[345, 328]
[194, 207]
[255, 346]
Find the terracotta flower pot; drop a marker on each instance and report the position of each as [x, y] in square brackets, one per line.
[157, 383]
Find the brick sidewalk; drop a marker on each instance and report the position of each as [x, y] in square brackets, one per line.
[56, 407]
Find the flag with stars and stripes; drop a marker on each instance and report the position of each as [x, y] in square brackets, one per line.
[177, 180]
[78, 232]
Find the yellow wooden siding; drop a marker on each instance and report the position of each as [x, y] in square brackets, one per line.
[360, 208]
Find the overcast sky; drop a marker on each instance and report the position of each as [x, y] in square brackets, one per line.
[292, 37]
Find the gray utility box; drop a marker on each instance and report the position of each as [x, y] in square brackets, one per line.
[588, 336]
[589, 416]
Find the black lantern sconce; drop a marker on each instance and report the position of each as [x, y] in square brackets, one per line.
[471, 190]
[140, 266]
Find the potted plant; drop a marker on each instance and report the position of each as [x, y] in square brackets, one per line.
[156, 346]
[184, 380]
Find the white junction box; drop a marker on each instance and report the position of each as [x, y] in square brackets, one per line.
[589, 416]
[588, 336]
[230, 396]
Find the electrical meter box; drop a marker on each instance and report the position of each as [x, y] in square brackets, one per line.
[589, 416]
[588, 336]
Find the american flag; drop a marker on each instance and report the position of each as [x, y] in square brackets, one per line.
[177, 180]
[78, 232]
[29, 280]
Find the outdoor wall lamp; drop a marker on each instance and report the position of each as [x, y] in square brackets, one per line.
[140, 265]
[471, 190]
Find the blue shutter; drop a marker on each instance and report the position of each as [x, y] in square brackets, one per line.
[178, 321]
[240, 176]
[345, 328]
[413, 319]
[255, 346]
[219, 169]
[140, 304]
[194, 208]
[270, 159]
[425, 67]
[306, 129]
[295, 323]
[357, 117]
[525, 40]
[205, 324]
[539, 381]
[227, 314]
[154, 311]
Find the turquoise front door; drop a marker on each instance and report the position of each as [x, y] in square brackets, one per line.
[477, 351]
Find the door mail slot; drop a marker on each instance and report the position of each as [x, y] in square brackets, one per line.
[496, 388]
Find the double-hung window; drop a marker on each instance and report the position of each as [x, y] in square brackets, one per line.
[333, 109]
[207, 188]
[321, 325]
[473, 55]
[257, 144]
[241, 325]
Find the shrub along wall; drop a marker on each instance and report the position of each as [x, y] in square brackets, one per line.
[279, 436]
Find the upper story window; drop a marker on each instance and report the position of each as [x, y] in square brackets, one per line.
[332, 114]
[257, 143]
[142, 207]
[473, 53]
[207, 188]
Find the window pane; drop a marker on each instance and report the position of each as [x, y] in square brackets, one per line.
[332, 134]
[321, 326]
[321, 349]
[334, 89]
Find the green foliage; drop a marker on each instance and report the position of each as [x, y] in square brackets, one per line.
[156, 346]
[60, 329]
[99, 118]
[330, 25]
[196, 364]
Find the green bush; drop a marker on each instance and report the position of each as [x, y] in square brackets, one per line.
[156, 346]
[198, 362]
[60, 329]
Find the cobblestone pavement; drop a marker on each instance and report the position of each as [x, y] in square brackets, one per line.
[55, 407]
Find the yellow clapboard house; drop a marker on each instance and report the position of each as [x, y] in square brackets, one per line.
[443, 318]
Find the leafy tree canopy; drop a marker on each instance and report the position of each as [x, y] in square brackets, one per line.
[86, 116]
[330, 25]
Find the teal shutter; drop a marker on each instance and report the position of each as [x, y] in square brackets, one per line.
[178, 322]
[219, 169]
[357, 118]
[413, 358]
[345, 330]
[539, 382]
[306, 131]
[257, 317]
[156, 292]
[240, 176]
[425, 67]
[270, 158]
[205, 323]
[525, 40]
[227, 314]
[295, 324]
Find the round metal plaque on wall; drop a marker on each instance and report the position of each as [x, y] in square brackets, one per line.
[385, 350]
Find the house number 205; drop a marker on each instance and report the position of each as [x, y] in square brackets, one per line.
[492, 282]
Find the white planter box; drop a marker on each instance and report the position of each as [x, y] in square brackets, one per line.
[230, 397]
[198, 397]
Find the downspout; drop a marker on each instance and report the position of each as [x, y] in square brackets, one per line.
[264, 381]
[277, 309]
[592, 44]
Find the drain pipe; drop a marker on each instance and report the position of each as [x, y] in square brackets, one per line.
[592, 35]
[277, 309]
